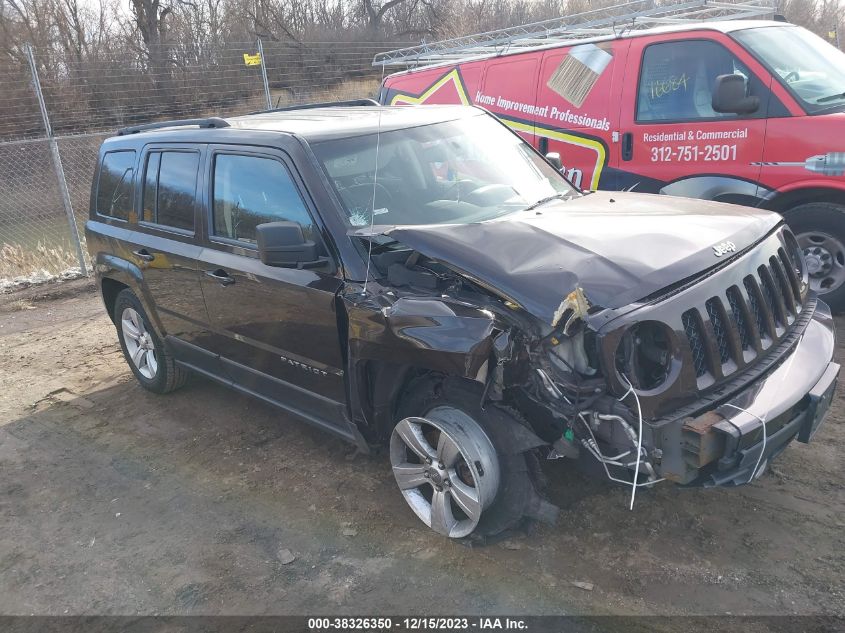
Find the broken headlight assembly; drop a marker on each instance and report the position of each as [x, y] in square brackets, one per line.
[644, 356]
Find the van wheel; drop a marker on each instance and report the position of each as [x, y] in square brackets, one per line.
[464, 471]
[820, 230]
[144, 351]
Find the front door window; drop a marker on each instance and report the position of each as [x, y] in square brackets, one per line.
[677, 80]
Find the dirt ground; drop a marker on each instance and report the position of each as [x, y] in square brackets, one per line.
[117, 501]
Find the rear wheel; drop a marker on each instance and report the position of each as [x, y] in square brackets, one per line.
[820, 230]
[463, 470]
[149, 360]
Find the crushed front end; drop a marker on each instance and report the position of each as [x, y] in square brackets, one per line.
[702, 383]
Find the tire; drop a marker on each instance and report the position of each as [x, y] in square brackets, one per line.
[153, 365]
[497, 459]
[820, 230]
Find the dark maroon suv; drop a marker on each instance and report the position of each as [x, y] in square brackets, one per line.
[421, 279]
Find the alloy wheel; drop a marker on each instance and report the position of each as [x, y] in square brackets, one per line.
[139, 343]
[446, 468]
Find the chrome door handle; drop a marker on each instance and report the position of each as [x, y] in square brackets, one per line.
[221, 276]
[144, 254]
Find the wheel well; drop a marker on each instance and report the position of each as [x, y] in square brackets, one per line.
[784, 202]
[111, 288]
[380, 386]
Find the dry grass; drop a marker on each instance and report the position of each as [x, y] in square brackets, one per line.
[359, 88]
[17, 261]
[21, 305]
[343, 91]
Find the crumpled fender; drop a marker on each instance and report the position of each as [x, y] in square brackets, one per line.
[427, 332]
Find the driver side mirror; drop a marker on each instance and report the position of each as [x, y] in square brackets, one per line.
[554, 159]
[730, 95]
[282, 244]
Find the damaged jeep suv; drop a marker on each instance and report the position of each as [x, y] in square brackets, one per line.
[419, 278]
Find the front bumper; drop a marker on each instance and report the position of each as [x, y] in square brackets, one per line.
[727, 446]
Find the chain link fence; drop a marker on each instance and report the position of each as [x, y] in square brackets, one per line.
[41, 229]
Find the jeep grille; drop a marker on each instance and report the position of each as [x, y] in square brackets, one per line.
[740, 323]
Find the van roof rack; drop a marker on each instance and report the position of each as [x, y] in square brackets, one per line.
[210, 122]
[627, 16]
[321, 104]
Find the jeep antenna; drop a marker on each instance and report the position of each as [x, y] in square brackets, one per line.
[375, 181]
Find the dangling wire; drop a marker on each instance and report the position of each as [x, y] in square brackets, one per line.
[633, 392]
[375, 182]
[762, 420]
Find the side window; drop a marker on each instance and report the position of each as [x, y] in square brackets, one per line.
[677, 80]
[170, 184]
[248, 191]
[116, 185]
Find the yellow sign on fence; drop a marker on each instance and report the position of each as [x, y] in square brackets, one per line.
[252, 60]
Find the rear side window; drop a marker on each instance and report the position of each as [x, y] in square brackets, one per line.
[677, 80]
[116, 185]
[170, 185]
[250, 190]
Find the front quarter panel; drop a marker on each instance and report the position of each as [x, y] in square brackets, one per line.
[427, 332]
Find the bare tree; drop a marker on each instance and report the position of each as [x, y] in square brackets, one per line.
[151, 21]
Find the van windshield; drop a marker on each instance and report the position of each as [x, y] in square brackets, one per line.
[812, 69]
[455, 172]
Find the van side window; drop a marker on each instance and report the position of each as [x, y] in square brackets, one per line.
[250, 190]
[170, 184]
[116, 185]
[677, 80]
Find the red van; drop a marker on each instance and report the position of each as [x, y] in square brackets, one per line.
[749, 112]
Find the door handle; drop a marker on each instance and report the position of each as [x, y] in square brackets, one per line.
[627, 146]
[144, 254]
[544, 145]
[221, 276]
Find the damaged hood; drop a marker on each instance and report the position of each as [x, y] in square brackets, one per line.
[617, 247]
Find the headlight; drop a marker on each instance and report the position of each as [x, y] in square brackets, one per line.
[644, 355]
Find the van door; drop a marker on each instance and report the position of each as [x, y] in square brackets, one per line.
[577, 110]
[275, 329]
[510, 91]
[672, 141]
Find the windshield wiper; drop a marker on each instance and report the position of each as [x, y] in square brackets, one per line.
[542, 201]
[841, 95]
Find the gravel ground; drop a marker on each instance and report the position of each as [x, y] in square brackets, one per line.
[117, 501]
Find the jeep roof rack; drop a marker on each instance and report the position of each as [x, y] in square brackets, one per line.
[615, 20]
[210, 122]
[321, 104]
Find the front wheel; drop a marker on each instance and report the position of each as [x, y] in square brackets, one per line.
[463, 470]
[447, 469]
[819, 228]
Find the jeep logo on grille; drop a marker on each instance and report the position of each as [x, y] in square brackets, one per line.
[724, 247]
